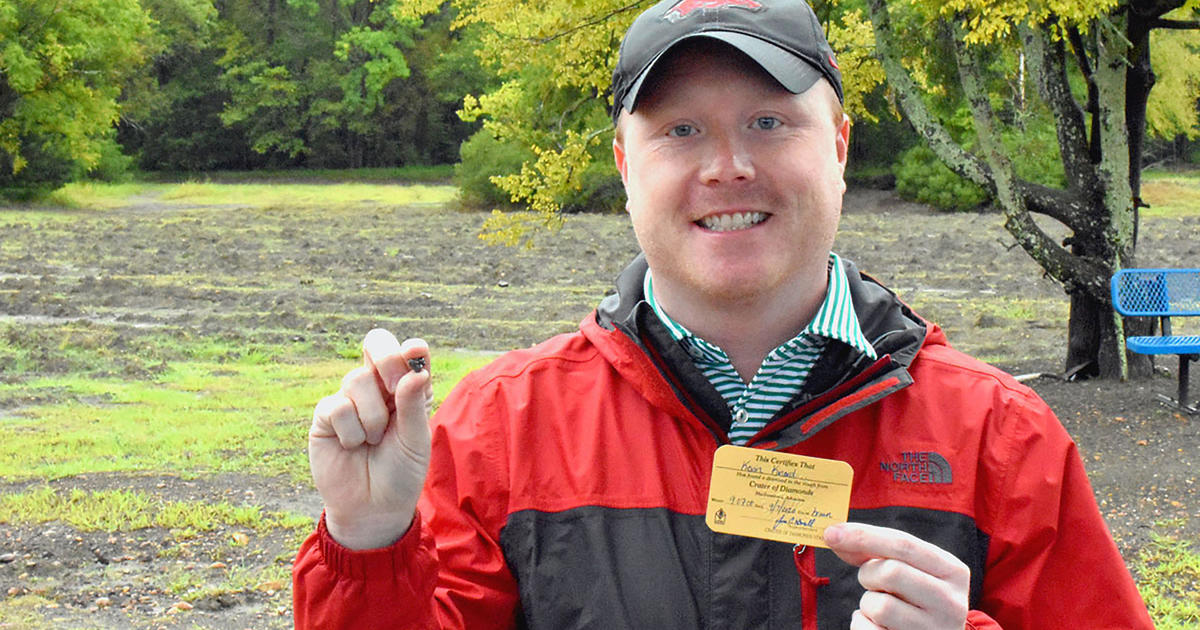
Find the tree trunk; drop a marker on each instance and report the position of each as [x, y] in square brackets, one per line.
[1113, 239]
[1087, 324]
[1139, 81]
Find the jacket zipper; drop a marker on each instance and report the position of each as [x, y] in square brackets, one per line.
[841, 396]
[806, 566]
[684, 396]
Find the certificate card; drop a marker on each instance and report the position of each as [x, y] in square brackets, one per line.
[777, 496]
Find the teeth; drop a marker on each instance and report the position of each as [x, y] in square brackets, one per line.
[735, 221]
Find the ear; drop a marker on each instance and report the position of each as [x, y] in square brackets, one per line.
[842, 141]
[619, 158]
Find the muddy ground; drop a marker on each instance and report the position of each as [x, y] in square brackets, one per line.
[320, 278]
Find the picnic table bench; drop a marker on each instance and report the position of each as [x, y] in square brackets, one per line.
[1163, 293]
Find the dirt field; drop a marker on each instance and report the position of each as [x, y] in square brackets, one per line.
[322, 278]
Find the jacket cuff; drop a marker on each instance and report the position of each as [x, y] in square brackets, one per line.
[361, 564]
[979, 620]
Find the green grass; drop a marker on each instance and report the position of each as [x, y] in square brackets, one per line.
[237, 579]
[249, 414]
[438, 173]
[127, 510]
[1168, 573]
[1171, 194]
[100, 196]
[300, 195]
[95, 195]
[191, 585]
[1022, 310]
[25, 612]
[1169, 579]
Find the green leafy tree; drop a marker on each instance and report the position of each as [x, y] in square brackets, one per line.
[308, 78]
[424, 108]
[170, 111]
[1081, 69]
[1173, 111]
[281, 83]
[553, 63]
[62, 66]
[1090, 64]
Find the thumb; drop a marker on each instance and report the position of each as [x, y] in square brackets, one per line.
[414, 399]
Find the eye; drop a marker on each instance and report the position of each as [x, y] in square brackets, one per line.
[682, 131]
[767, 122]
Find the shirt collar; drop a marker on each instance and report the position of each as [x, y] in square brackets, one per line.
[835, 319]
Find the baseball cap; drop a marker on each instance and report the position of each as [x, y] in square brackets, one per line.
[782, 36]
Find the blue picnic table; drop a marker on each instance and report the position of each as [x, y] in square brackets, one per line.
[1162, 293]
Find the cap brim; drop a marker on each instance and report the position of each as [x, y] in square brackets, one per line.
[792, 72]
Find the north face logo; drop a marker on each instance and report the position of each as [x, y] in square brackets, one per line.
[919, 467]
[684, 8]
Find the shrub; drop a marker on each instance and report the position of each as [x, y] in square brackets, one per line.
[600, 191]
[46, 170]
[483, 156]
[921, 177]
[114, 165]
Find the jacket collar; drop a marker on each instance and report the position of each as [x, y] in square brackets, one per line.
[634, 340]
[889, 324]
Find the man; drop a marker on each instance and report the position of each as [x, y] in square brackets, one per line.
[565, 486]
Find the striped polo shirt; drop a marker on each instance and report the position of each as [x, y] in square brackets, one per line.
[784, 369]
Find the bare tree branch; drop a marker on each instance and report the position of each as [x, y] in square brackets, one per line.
[935, 134]
[592, 22]
[1179, 25]
[1093, 103]
[1057, 261]
[1067, 207]
[1047, 60]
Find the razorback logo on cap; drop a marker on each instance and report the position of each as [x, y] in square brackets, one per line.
[684, 8]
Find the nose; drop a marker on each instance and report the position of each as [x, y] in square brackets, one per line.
[726, 160]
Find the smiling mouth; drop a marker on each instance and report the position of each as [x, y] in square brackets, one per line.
[732, 222]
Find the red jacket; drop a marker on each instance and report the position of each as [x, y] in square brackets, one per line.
[569, 484]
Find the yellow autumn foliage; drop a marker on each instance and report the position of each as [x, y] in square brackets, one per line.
[555, 60]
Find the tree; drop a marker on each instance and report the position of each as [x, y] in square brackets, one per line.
[1100, 128]
[553, 61]
[62, 65]
[1089, 61]
[308, 78]
[170, 111]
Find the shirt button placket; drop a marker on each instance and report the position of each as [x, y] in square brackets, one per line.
[740, 415]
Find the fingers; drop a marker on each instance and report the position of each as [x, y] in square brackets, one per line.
[910, 583]
[388, 358]
[393, 381]
[900, 594]
[393, 363]
[856, 543]
[362, 409]
[413, 398]
[414, 354]
[336, 417]
[361, 387]
[859, 621]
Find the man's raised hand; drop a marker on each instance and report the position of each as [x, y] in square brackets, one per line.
[910, 583]
[369, 443]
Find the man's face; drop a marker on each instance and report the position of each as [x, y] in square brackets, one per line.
[734, 184]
